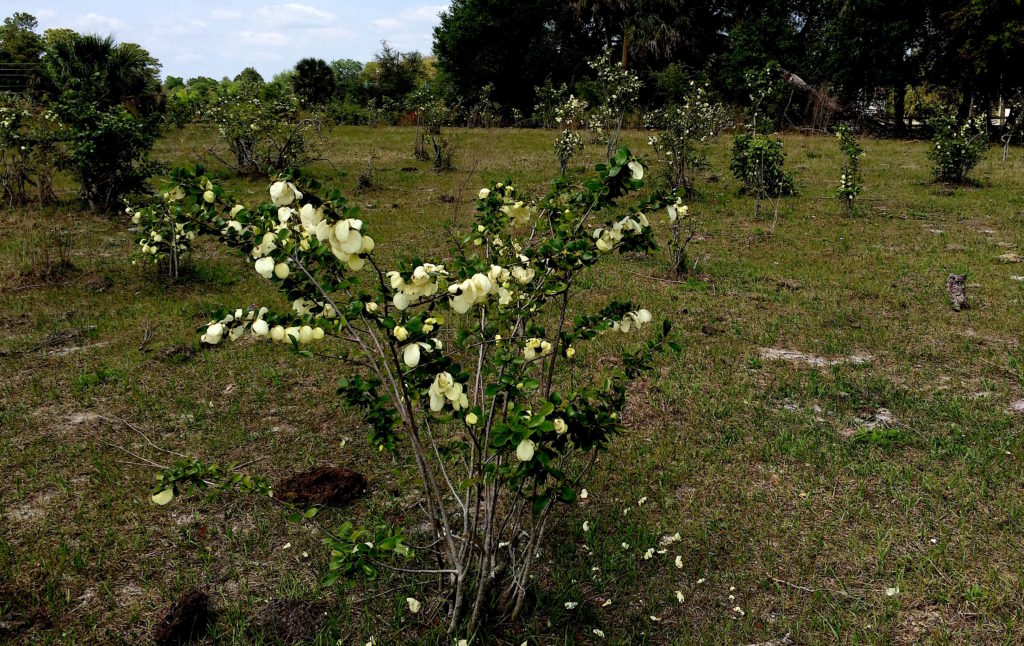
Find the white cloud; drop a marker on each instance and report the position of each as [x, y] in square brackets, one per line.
[262, 38]
[94, 20]
[424, 13]
[334, 33]
[224, 36]
[179, 28]
[225, 14]
[410, 18]
[292, 14]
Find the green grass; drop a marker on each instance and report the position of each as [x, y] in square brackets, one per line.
[766, 468]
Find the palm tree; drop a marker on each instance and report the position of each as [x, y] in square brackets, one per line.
[108, 96]
[102, 71]
[642, 28]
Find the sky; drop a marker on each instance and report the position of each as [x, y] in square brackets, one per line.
[219, 38]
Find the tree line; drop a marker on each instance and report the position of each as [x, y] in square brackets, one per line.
[855, 57]
[494, 62]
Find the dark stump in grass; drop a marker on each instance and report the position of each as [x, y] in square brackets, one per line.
[329, 486]
[187, 619]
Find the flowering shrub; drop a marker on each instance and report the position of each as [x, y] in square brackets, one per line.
[474, 365]
[380, 114]
[678, 213]
[956, 147]
[850, 179]
[431, 115]
[686, 132]
[263, 133]
[167, 227]
[485, 112]
[548, 100]
[569, 116]
[31, 148]
[617, 90]
[765, 86]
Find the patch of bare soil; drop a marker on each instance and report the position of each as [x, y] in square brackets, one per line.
[1017, 406]
[328, 486]
[59, 423]
[33, 508]
[175, 354]
[292, 621]
[61, 342]
[185, 620]
[794, 356]
[919, 625]
[1010, 257]
[645, 409]
[99, 285]
[869, 419]
[44, 275]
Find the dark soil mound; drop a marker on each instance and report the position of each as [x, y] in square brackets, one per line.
[186, 619]
[290, 621]
[330, 486]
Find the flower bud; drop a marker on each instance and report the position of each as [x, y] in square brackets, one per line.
[525, 450]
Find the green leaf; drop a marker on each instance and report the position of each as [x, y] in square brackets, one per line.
[164, 496]
[540, 503]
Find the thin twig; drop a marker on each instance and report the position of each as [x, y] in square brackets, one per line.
[144, 436]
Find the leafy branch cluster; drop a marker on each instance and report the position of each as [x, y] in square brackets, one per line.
[474, 364]
[957, 146]
[685, 132]
[263, 133]
[850, 179]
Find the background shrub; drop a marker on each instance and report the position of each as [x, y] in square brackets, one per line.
[957, 147]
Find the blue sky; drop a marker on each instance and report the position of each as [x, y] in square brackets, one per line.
[221, 37]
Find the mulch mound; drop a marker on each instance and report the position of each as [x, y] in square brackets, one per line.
[328, 486]
[291, 621]
[186, 619]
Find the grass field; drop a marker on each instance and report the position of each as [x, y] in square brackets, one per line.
[869, 491]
